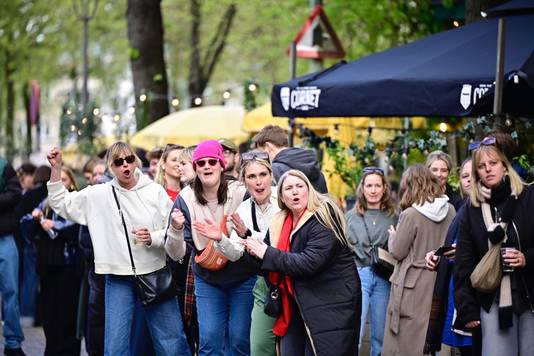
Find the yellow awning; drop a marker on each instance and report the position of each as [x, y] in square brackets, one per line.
[191, 126]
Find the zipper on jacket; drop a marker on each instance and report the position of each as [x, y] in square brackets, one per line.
[305, 325]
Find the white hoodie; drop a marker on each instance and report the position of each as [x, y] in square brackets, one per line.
[147, 204]
[435, 211]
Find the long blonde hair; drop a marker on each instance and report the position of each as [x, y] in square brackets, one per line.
[418, 185]
[516, 182]
[327, 212]
[115, 150]
[160, 172]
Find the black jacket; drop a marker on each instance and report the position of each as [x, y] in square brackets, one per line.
[327, 286]
[9, 198]
[473, 244]
[454, 197]
[303, 160]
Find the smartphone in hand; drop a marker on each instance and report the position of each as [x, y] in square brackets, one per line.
[442, 250]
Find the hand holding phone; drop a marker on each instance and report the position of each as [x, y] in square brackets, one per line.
[442, 251]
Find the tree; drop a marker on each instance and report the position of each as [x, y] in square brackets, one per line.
[474, 7]
[145, 34]
[200, 71]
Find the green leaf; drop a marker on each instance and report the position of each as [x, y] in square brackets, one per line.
[134, 53]
[157, 77]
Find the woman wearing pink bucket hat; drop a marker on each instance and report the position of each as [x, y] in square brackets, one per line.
[202, 217]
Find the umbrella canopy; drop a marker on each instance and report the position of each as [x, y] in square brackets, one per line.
[447, 74]
[191, 126]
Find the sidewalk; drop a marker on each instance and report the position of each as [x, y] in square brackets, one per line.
[34, 343]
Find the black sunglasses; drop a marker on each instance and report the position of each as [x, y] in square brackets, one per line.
[488, 141]
[249, 156]
[120, 161]
[371, 170]
[212, 162]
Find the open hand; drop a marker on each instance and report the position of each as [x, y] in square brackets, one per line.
[431, 260]
[238, 225]
[208, 229]
[255, 247]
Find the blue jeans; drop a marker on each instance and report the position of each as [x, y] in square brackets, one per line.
[30, 281]
[164, 321]
[9, 281]
[224, 317]
[375, 296]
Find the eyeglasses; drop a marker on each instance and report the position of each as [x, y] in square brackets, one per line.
[212, 162]
[372, 169]
[488, 141]
[120, 161]
[249, 156]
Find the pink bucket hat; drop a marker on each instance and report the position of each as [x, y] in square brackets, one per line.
[209, 148]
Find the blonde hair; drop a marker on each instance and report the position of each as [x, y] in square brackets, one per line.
[73, 185]
[386, 202]
[441, 156]
[327, 212]
[516, 182]
[418, 185]
[115, 150]
[160, 172]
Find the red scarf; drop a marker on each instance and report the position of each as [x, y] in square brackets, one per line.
[285, 283]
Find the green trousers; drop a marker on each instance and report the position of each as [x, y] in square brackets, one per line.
[262, 339]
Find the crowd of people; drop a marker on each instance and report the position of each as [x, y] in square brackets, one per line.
[264, 262]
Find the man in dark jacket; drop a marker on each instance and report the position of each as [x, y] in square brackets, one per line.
[273, 140]
[10, 194]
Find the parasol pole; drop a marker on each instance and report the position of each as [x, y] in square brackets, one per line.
[499, 71]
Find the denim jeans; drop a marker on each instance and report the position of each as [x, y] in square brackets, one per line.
[517, 340]
[30, 281]
[164, 321]
[9, 282]
[375, 296]
[224, 313]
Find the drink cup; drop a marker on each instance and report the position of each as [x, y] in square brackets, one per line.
[506, 268]
[136, 241]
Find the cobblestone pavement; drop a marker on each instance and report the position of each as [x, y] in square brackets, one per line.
[34, 343]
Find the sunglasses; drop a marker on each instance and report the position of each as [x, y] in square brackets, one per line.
[120, 161]
[371, 170]
[488, 141]
[212, 162]
[249, 156]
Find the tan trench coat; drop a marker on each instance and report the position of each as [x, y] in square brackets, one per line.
[411, 284]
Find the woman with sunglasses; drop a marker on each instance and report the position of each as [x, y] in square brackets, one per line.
[310, 261]
[441, 328]
[252, 219]
[203, 214]
[423, 224]
[367, 227]
[500, 211]
[145, 206]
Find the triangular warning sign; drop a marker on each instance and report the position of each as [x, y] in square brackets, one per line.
[317, 38]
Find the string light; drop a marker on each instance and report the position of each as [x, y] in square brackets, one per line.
[84, 120]
[252, 87]
[198, 101]
[96, 111]
[69, 112]
[227, 94]
[175, 102]
[443, 127]
[116, 118]
[73, 128]
[456, 23]
[142, 98]
[131, 110]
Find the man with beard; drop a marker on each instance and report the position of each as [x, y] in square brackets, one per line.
[231, 155]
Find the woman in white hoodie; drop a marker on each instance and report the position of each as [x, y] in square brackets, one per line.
[423, 224]
[145, 206]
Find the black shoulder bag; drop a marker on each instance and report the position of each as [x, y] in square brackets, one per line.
[382, 262]
[153, 287]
